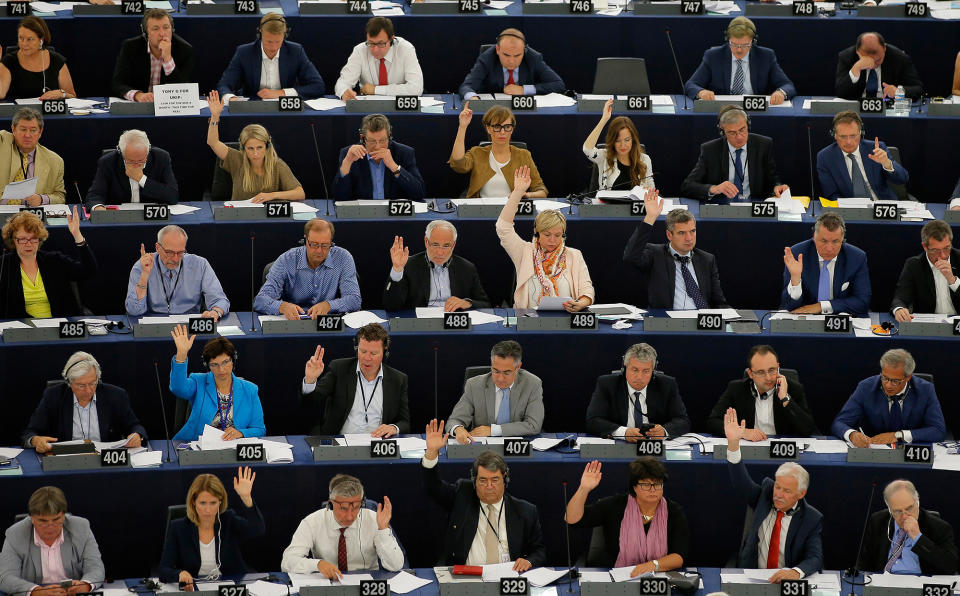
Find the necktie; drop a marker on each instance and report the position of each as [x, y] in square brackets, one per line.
[897, 550]
[691, 286]
[490, 542]
[856, 177]
[871, 90]
[896, 414]
[637, 410]
[383, 72]
[342, 552]
[738, 171]
[510, 80]
[737, 87]
[170, 275]
[773, 554]
[823, 287]
[23, 168]
[503, 414]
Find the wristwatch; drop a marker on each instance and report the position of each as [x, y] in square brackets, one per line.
[898, 435]
[785, 400]
[397, 171]
[656, 566]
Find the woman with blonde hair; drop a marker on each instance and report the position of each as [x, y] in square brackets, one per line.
[258, 172]
[622, 164]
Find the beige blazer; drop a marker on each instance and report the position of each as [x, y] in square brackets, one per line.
[476, 161]
[521, 253]
[48, 168]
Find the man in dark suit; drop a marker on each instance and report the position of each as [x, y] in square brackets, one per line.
[886, 67]
[738, 166]
[679, 276]
[512, 529]
[289, 71]
[906, 538]
[771, 400]
[853, 167]
[740, 68]
[784, 533]
[638, 401]
[156, 57]
[826, 274]
[513, 68]
[359, 394]
[929, 281]
[434, 277]
[892, 407]
[135, 167]
[378, 167]
[82, 408]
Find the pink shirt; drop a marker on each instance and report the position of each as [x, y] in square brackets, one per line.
[51, 561]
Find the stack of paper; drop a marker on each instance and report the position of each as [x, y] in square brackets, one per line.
[323, 104]
[166, 320]
[303, 580]
[538, 577]
[212, 440]
[476, 317]
[354, 579]
[146, 459]
[262, 588]
[295, 206]
[729, 314]
[13, 325]
[828, 446]
[555, 100]
[593, 441]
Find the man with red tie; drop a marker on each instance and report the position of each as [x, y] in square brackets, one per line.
[382, 65]
[784, 534]
[512, 67]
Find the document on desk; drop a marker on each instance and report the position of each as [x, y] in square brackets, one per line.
[544, 444]
[806, 102]
[358, 319]
[418, 206]
[553, 302]
[476, 317]
[262, 588]
[295, 206]
[828, 446]
[20, 190]
[555, 100]
[495, 571]
[353, 579]
[622, 574]
[322, 104]
[544, 576]
[593, 441]
[303, 580]
[182, 209]
[942, 459]
[167, 320]
[13, 325]
[404, 582]
[40, 323]
[729, 314]
[146, 459]
[595, 577]
[10, 452]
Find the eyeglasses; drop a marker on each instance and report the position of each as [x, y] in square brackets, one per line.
[342, 506]
[489, 482]
[740, 46]
[84, 386]
[847, 137]
[770, 372]
[887, 379]
[24, 241]
[940, 251]
[377, 44]
[437, 246]
[173, 253]
[320, 245]
[649, 486]
[503, 373]
[902, 512]
[501, 127]
[220, 365]
[735, 133]
[135, 162]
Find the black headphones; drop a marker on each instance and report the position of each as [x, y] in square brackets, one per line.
[536, 234]
[731, 108]
[386, 345]
[363, 491]
[143, 24]
[89, 361]
[751, 27]
[234, 358]
[857, 119]
[514, 35]
[271, 17]
[506, 474]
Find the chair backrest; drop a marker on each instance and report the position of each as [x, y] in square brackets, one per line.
[474, 371]
[517, 144]
[75, 289]
[597, 555]
[925, 376]
[266, 271]
[20, 517]
[174, 512]
[486, 46]
[898, 189]
[15, 49]
[621, 75]
[221, 189]
[181, 412]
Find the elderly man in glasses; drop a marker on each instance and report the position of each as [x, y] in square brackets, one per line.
[929, 282]
[891, 407]
[384, 64]
[135, 173]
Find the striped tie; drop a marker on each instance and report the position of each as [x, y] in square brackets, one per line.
[737, 88]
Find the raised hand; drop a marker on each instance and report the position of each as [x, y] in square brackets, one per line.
[435, 438]
[466, 115]
[314, 367]
[146, 262]
[521, 179]
[653, 205]
[243, 484]
[733, 429]
[607, 110]
[794, 265]
[591, 476]
[183, 341]
[384, 513]
[879, 155]
[399, 254]
[73, 225]
[215, 104]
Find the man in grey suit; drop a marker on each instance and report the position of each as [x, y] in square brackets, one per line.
[504, 402]
[50, 546]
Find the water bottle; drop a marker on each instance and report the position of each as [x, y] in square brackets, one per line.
[901, 105]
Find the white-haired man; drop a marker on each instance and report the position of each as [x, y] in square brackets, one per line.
[135, 173]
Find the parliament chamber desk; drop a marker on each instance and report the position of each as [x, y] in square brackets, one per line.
[553, 135]
[127, 507]
[568, 362]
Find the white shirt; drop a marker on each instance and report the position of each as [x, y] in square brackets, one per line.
[855, 79]
[497, 186]
[403, 70]
[944, 304]
[796, 291]
[621, 431]
[208, 559]
[319, 534]
[269, 75]
[360, 419]
[478, 549]
[135, 186]
[763, 412]
[856, 158]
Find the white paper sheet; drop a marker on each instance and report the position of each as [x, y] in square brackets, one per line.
[592, 441]
[622, 574]
[182, 209]
[828, 446]
[146, 459]
[166, 320]
[494, 572]
[729, 314]
[295, 206]
[353, 579]
[10, 452]
[40, 323]
[553, 302]
[555, 100]
[322, 104]
[262, 588]
[404, 582]
[13, 325]
[303, 580]
[543, 443]
[595, 577]
[544, 576]
[358, 319]
[20, 190]
[418, 206]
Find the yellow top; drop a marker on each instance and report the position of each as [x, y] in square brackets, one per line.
[35, 297]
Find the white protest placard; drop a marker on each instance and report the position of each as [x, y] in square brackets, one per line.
[176, 99]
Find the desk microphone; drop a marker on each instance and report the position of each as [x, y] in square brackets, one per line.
[323, 177]
[813, 191]
[253, 294]
[677, 64]
[163, 412]
[573, 574]
[851, 574]
[76, 187]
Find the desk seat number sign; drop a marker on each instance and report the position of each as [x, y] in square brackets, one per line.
[469, 6]
[374, 587]
[384, 448]
[638, 103]
[794, 587]
[278, 208]
[456, 321]
[232, 591]
[18, 8]
[651, 447]
[250, 452]
[709, 322]
[836, 323]
[936, 590]
[651, 586]
[803, 8]
[524, 102]
[156, 213]
[292, 103]
[72, 330]
[581, 7]
[400, 208]
[329, 322]
[246, 7]
[783, 450]
[514, 586]
[516, 447]
[583, 321]
[201, 326]
[111, 458]
[53, 107]
[131, 7]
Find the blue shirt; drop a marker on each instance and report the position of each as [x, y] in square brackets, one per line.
[177, 294]
[682, 300]
[908, 563]
[86, 423]
[527, 89]
[747, 86]
[376, 177]
[291, 279]
[439, 283]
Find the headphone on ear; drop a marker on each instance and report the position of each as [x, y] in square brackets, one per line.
[143, 24]
[506, 474]
[563, 219]
[386, 345]
[748, 24]
[858, 120]
[67, 370]
[731, 108]
[271, 17]
[234, 358]
[334, 485]
[515, 34]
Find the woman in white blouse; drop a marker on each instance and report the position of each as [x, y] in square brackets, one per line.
[622, 164]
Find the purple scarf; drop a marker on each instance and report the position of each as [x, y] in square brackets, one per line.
[637, 546]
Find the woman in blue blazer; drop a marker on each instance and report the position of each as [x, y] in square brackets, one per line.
[217, 398]
[206, 544]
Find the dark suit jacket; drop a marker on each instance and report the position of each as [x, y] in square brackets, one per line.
[714, 163]
[413, 289]
[714, 73]
[851, 279]
[358, 184]
[935, 548]
[337, 388]
[524, 535]
[181, 547]
[607, 410]
[657, 262]
[794, 420]
[242, 76]
[803, 548]
[916, 290]
[868, 409]
[57, 270]
[54, 414]
[835, 182]
[111, 185]
[132, 70]
[486, 76]
[897, 69]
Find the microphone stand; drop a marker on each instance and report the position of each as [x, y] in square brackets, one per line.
[163, 412]
[813, 190]
[253, 294]
[677, 64]
[573, 573]
[323, 177]
[851, 574]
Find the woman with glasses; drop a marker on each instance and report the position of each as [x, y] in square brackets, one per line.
[33, 71]
[641, 528]
[258, 172]
[217, 398]
[206, 544]
[546, 266]
[37, 283]
[491, 167]
[622, 164]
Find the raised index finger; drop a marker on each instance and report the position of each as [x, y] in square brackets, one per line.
[466, 105]
[876, 143]
[143, 252]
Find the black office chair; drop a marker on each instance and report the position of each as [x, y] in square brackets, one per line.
[486, 46]
[624, 76]
[596, 555]
[925, 376]
[174, 512]
[20, 517]
[75, 289]
[474, 371]
[899, 189]
[221, 189]
[14, 49]
[181, 413]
